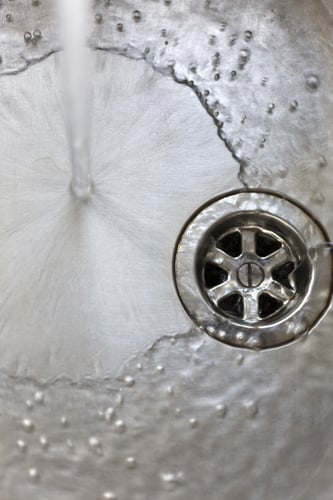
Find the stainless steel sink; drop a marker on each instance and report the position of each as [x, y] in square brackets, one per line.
[109, 388]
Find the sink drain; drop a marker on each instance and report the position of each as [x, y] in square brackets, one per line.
[247, 271]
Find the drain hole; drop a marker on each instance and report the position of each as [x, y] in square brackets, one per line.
[281, 274]
[265, 244]
[214, 275]
[268, 305]
[231, 244]
[232, 305]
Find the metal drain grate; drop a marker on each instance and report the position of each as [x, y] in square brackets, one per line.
[244, 270]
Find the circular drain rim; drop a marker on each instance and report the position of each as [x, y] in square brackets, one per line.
[266, 335]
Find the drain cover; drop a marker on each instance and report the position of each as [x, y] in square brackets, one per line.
[247, 270]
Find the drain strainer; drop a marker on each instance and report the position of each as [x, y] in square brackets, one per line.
[247, 270]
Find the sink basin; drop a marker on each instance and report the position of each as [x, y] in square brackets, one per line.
[109, 389]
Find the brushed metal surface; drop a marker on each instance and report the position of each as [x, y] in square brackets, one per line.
[107, 389]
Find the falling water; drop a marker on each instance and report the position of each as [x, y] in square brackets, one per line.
[76, 63]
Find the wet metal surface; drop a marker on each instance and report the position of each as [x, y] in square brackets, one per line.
[107, 388]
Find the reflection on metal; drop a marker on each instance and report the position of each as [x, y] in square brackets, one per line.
[246, 271]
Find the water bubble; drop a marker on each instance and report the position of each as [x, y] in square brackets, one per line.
[39, 397]
[129, 381]
[250, 409]
[22, 445]
[120, 426]
[27, 37]
[221, 410]
[293, 105]
[233, 75]
[312, 82]
[163, 32]
[223, 26]
[137, 16]
[28, 425]
[131, 462]
[221, 334]
[120, 27]
[212, 39]
[98, 18]
[248, 35]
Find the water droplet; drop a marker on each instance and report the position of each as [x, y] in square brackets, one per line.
[29, 404]
[9, 18]
[240, 337]
[221, 410]
[120, 27]
[44, 443]
[120, 426]
[170, 480]
[98, 18]
[37, 34]
[35, 3]
[233, 39]
[137, 16]
[233, 75]
[33, 474]
[69, 444]
[27, 37]
[293, 105]
[221, 334]
[217, 76]
[95, 444]
[64, 421]
[250, 409]
[109, 414]
[223, 26]
[322, 161]
[28, 425]
[39, 397]
[109, 495]
[129, 381]
[193, 422]
[119, 399]
[160, 369]
[178, 412]
[248, 35]
[264, 81]
[239, 359]
[131, 463]
[167, 2]
[244, 57]
[22, 445]
[270, 108]
[312, 82]
[212, 39]
[170, 390]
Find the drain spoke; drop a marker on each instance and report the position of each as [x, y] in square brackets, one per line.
[277, 258]
[221, 291]
[250, 303]
[220, 258]
[249, 241]
[280, 291]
